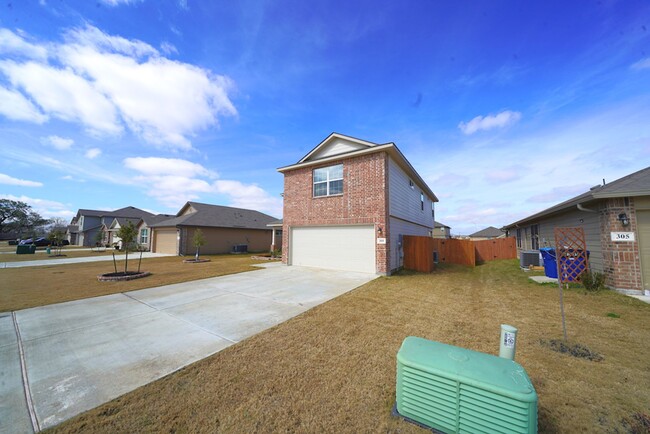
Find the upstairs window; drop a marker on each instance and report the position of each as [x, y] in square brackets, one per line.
[328, 181]
[433, 210]
[422, 201]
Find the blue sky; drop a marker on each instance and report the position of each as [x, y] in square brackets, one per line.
[505, 108]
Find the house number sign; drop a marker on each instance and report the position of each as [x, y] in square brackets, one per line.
[623, 236]
[381, 240]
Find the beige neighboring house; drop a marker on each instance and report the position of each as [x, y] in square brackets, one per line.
[441, 230]
[144, 229]
[488, 233]
[224, 228]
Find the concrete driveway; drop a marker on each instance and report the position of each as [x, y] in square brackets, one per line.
[60, 360]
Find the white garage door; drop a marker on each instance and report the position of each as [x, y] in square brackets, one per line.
[350, 248]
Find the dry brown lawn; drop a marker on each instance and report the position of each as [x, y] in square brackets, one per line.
[21, 288]
[332, 369]
[66, 253]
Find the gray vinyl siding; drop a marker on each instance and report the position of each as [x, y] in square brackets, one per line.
[400, 227]
[590, 223]
[404, 200]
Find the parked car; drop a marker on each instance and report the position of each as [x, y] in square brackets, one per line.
[13, 242]
[41, 242]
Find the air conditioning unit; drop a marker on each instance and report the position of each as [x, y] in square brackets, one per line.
[453, 390]
[529, 257]
[240, 248]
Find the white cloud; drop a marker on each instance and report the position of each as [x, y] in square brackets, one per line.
[108, 82]
[6, 179]
[120, 2]
[500, 176]
[46, 208]
[15, 106]
[250, 196]
[167, 167]
[65, 95]
[60, 143]
[168, 48]
[500, 120]
[641, 64]
[93, 153]
[11, 43]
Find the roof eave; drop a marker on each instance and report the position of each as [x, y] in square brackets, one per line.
[390, 148]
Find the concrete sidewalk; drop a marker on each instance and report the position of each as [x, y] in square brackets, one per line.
[80, 354]
[13, 252]
[60, 261]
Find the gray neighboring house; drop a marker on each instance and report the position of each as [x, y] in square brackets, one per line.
[223, 228]
[616, 220]
[488, 233]
[84, 227]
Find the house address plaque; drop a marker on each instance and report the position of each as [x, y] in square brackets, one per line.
[623, 236]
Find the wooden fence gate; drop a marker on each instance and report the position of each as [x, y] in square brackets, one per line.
[421, 253]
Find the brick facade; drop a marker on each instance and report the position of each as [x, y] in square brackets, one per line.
[364, 201]
[622, 263]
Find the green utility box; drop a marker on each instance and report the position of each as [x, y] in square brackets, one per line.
[25, 249]
[456, 390]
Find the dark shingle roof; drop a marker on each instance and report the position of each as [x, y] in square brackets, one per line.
[219, 216]
[490, 231]
[440, 225]
[128, 211]
[635, 184]
[153, 219]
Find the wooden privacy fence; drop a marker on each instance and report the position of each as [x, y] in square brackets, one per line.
[419, 252]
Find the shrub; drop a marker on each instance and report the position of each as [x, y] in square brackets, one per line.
[593, 281]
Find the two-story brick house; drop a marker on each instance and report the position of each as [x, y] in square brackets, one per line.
[347, 204]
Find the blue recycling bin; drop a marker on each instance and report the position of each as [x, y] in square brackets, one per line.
[550, 264]
[572, 264]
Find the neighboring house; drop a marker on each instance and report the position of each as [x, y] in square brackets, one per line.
[488, 233]
[83, 228]
[441, 230]
[276, 235]
[347, 204]
[144, 229]
[616, 221]
[223, 228]
[114, 226]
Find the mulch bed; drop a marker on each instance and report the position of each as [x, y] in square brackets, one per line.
[194, 261]
[575, 350]
[122, 276]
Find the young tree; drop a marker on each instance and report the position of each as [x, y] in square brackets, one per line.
[129, 234]
[199, 240]
[56, 237]
[100, 236]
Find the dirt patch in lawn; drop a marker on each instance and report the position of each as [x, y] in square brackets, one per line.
[21, 288]
[332, 369]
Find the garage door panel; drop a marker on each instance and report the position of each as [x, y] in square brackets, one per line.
[350, 248]
[166, 241]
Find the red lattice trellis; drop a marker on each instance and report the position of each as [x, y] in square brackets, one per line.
[571, 253]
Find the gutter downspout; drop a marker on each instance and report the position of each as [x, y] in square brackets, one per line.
[582, 208]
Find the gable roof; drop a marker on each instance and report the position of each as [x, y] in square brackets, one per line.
[440, 225]
[634, 184]
[490, 231]
[364, 148]
[127, 211]
[219, 216]
[123, 221]
[157, 218]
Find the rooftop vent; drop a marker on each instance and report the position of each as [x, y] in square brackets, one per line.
[452, 389]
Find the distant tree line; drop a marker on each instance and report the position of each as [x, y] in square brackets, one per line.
[18, 218]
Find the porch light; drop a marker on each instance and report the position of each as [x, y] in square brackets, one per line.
[624, 219]
[379, 230]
